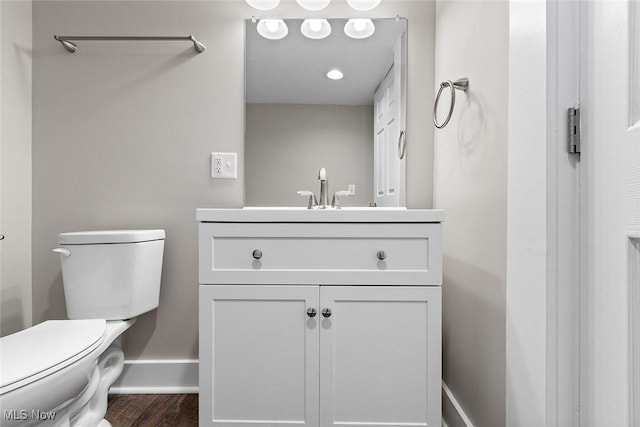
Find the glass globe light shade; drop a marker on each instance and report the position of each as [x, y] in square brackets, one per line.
[363, 5]
[272, 29]
[315, 28]
[313, 4]
[359, 28]
[263, 4]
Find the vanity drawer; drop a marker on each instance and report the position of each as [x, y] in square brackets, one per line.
[338, 253]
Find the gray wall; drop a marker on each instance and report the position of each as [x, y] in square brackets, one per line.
[122, 138]
[338, 138]
[470, 183]
[15, 167]
[123, 132]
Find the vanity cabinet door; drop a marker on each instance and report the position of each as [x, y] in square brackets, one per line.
[259, 354]
[380, 353]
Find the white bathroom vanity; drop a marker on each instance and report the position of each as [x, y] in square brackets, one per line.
[320, 317]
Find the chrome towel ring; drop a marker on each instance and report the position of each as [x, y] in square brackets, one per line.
[460, 84]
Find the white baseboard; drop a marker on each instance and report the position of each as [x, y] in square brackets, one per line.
[157, 377]
[181, 376]
[453, 414]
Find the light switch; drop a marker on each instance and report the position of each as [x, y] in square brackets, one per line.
[224, 165]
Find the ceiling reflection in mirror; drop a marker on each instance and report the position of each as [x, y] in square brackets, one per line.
[293, 70]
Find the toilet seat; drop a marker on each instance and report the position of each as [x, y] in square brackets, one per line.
[50, 346]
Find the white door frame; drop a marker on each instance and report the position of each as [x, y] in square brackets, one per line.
[542, 208]
[563, 210]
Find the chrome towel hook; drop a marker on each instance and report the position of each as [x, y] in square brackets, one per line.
[460, 84]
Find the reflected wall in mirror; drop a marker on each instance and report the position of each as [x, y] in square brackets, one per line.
[298, 120]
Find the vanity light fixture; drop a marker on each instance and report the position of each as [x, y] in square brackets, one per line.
[363, 5]
[313, 4]
[335, 74]
[315, 28]
[359, 28]
[272, 29]
[263, 4]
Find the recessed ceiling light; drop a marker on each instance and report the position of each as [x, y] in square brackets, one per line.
[359, 28]
[363, 5]
[313, 4]
[335, 74]
[316, 28]
[272, 29]
[263, 4]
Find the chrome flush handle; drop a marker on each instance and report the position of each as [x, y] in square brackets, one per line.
[62, 251]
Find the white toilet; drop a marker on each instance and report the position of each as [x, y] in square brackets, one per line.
[58, 373]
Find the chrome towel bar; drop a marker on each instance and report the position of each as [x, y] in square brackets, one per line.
[72, 47]
[460, 84]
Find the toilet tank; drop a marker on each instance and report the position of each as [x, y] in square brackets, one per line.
[112, 274]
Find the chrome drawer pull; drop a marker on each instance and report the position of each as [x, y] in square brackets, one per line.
[381, 255]
[257, 254]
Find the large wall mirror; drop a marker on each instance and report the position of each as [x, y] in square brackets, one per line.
[299, 120]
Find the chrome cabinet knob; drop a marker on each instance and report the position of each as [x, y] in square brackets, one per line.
[381, 255]
[257, 254]
[326, 312]
[311, 312]
[1, 236]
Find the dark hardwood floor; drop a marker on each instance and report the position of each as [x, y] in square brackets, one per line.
[150, 410]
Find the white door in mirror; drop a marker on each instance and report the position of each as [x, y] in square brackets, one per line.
[224, 165]
[386, 128]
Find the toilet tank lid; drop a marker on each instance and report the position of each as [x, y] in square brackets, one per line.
[109, 236]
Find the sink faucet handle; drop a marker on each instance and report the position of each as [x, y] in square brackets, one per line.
[312, 198]
[335, 202]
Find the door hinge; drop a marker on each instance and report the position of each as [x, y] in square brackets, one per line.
[574, 130]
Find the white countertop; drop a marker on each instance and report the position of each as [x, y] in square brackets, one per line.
[299, 214]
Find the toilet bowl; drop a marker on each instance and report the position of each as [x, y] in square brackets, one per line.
[58, 373]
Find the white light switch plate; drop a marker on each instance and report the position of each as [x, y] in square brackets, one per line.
[224, 165]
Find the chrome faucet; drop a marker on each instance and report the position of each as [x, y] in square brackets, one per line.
[323, 201]
[324, 189]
